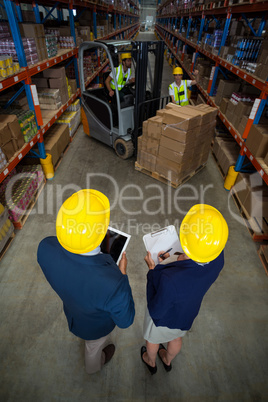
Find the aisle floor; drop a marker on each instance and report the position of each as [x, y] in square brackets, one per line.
[224, 356]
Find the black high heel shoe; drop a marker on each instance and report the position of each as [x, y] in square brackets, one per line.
[152, 370]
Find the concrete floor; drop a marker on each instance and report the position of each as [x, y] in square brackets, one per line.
[224, 356]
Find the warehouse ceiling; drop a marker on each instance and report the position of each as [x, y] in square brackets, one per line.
[148, 3]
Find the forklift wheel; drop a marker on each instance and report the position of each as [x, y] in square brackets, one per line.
[123, 149]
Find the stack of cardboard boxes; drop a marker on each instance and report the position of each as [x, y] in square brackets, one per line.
[56, 140]
[37, 32]
[226, 152]
[57, 94]
[176, 142]
[11, 138]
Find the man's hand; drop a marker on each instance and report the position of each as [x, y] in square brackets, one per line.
[166, 255]
[149, 261]
[111, 93]
[123, 264]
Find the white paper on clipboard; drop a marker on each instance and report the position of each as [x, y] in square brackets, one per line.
[162, 240]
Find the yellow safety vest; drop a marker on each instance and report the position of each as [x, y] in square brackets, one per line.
[181, 95]
[121, 77]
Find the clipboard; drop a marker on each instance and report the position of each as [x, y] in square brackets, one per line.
[162, 239]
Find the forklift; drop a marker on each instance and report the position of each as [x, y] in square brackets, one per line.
[120, 124]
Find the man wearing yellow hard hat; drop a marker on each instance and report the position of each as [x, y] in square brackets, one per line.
[178, 89]
[177, 285]
[95, 291]
[123, 76]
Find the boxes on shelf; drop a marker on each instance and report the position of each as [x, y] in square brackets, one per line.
[21, 191]
[257, 140]
[11, 139]
[226, 152]
[71, 119]
[49, 98]
[225, 90]
[74, 107]
[56, 140]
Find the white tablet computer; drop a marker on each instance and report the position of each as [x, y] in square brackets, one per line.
[114, 243]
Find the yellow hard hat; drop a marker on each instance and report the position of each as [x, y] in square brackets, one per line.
[203, 233]
[177, 70]
[125, 56]
[82, 221]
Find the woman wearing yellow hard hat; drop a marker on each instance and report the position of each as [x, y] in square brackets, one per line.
[178, 89]
[123, 76]
[95, 291]
[177, 285]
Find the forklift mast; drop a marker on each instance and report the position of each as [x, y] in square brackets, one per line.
[140, 52]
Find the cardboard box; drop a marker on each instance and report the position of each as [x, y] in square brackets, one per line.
[242, 125]
[13, 124]
[11, 138]
[145, 128]
[257, 140]
[147, 160]
[160, 112]
[225, 89]
[223, 105]
[180, 120]
[154, 127]
[172, 171]
[56, 140]
[152, 146]
[57, 82]
[142, 144]
[40, 82]
[6, 143]
[256, 203]
[179, 135]
[242, 186]
[176, 145]
[73, 85]
[174, 156]
[58, 72]
[31, 30]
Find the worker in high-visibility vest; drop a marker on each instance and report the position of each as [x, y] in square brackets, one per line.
[178, 89]
[123, 76]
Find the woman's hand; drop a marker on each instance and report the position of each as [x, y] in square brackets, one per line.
[149, 261]
[166, 255]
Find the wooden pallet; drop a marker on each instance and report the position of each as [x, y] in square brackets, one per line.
[257, 227]
[7, 245]
[163, 179]
[20, 223]
[263, 254]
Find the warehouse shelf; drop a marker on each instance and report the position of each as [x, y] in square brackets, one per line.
[240, 141]
[250, 78]
[212, 9]
[46, 118]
